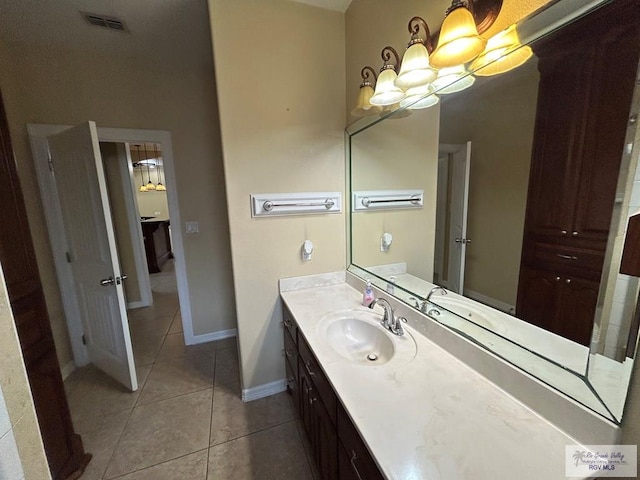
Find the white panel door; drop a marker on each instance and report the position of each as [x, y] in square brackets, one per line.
[82, 191]
[459, 169]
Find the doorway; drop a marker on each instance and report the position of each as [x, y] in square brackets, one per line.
[38, 138]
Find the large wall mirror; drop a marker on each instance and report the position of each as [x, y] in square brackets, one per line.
[527, 183]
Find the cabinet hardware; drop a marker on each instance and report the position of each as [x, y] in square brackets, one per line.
[568, 280]
[289, 353]
[557, 279]
[353, 464]
[311, 400]
[574, 234]
[568, 257]
[308, 365]
[288, 324]
[563, 232]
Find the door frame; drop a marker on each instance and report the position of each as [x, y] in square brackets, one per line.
[38, 134]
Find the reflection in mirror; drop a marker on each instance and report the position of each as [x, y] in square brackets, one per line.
[527, 196]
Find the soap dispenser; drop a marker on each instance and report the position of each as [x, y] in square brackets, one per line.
[368, 297]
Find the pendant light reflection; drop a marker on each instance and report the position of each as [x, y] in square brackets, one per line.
[143, 188]
[387, 93]
[364, 106]
[503, 52]
[159, 187]
[459, 41]
[150, 185]
[452, 79]
[416, 71]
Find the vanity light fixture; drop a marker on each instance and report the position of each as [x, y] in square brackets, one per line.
[364, 106]
[503, 52]
[416, 71]
[459, 41]
[387, 93]
[418, 98]
[452, 79]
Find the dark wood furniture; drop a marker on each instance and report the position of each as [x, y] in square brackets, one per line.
[587, 77]
[157, 243]
[338, 450]
[63, 446]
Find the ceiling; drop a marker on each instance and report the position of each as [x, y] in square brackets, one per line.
[176, 29]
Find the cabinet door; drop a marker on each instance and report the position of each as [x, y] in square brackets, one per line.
[553, 180]
[577, 308]
[538, 294]
[324, 441]
[293, 385]
[611, 85]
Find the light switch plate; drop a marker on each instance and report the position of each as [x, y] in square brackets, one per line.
[192, 227]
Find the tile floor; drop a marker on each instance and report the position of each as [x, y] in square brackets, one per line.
[187, 420]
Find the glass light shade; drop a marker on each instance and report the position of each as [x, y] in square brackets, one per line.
[143, 189]
[416, 99]
[459, 41]
[503, 52]
[395, 112]
[150, 186]
[161, 188]
[416, 69]
[386, 92]
[364, 106]
[452, 79]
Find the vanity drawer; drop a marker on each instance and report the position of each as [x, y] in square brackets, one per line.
[312, 367]
[567, 258]
[289, 323]
[291, 352]
[354, 460]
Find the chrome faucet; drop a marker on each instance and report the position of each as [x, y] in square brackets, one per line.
[389, 319]
[434, 290]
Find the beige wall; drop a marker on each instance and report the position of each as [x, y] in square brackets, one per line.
[280, 72]
[45, 85]
[499, 121]
[113, 155]
[17, 397]
[397, 154]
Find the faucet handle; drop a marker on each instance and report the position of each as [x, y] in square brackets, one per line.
[396, 326]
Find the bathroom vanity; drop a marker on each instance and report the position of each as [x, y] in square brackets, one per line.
[416, 411]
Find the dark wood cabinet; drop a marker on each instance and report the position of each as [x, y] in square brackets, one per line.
[62, 445]
[338, 451]
[157, 243]
[587, 77]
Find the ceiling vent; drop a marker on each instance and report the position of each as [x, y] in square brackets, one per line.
[111, 23]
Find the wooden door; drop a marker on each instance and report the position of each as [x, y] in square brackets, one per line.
[324, 441]
[63, 446]
[538, 297]
[577, 308]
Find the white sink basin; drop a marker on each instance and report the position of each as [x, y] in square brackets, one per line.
[360, 341]
[357, 336]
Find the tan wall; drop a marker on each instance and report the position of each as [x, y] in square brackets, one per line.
[280, 71]
[113, 154]
[45, 85]
[17, 396]
[151, 202]
[397, 154]
[499, 122]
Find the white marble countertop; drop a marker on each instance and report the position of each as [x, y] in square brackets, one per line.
[431, 416]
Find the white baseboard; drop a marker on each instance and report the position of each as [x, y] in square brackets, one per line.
[266, 390]
[67, 369]
[212, 337]
[138, 304]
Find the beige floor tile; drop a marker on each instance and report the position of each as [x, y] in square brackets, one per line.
[232, 418]
[177, 376]
[227, 370]
[146, 349]
[174, 347]
[189, 467]
[273, 454]
[225, 343]
[176, 324]
[100, 436]
[163, 431]
[152, 324]
[97, 394]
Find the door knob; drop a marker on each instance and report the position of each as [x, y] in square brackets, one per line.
[105, 282]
